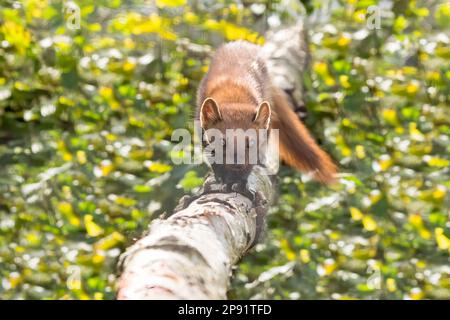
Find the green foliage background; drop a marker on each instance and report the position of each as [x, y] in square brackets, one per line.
[86, 117]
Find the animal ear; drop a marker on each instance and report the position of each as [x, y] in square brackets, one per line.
[262, 117]
[209, 113]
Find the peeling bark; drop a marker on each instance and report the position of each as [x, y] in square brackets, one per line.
[190, 254]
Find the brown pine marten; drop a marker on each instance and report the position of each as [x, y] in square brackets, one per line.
[237, 93]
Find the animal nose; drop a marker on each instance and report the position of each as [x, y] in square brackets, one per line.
[238, 167]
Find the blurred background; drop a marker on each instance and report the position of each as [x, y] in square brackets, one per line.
[89, 97]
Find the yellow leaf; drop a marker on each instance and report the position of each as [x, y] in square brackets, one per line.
[421, 264]
[385, 162]
[422, 12]
[111, 137]
[408, 70]
[106, 92]
[439, 192]
[32, 238]
[290, 255]
[67, 192]
[19, 249]
[65, 208]
[95, 27]
[343, 79]
[304, 256]
[14, 280]
[234, 9]
[191, 17]
[360, 152]
[329, 81]
[234, 32]
[369, 223]
[416, 220]
[321, 67]
[346, 151]
[73, 283]
[124, 201]
[433, 76]
[438, 162]
[391, 285]
[375, 196]
[98, 258]
[138, 24]
[129, 43]
[442, 241]
[356, 214]
[159, 167]
[83, 296]
[98, 296]
[67, 156]
[106, 167]
[16, 35]
[92, 228]
[329, 266]
[183, 81]
[416, 294]
[344, 41]
[170, 3]
[412, 88]
[137, 122]
[346, 122]
[128, 66]
[177, 98]
[359, 16]
[414, 132]
[66, 101]
[109, 241]
[424, 233]
[390, 116]
[335, 235]
[399, 130]
[81, 157]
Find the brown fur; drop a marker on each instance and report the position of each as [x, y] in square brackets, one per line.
[238, 82]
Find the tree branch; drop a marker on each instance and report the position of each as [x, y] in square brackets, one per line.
[190, 254]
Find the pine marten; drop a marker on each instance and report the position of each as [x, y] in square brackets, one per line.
[237, 93]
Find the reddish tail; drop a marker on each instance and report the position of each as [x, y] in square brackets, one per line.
[297, 147]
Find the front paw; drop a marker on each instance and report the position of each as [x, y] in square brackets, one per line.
[241, 188]
[184, 202]
[260, 199]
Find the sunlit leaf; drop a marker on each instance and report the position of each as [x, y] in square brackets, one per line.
[92, 228]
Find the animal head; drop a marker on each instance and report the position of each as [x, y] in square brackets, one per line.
[238, 131]
[234, 115]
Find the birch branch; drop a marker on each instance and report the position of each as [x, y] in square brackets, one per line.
[190, 254]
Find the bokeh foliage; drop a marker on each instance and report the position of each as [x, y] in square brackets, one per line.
[86, 117]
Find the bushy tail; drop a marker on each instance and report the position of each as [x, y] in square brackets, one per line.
[297, 147]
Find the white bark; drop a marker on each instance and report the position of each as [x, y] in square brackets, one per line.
[287, 57]
[190, 254]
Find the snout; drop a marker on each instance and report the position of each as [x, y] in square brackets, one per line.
[230, 173]
[238, 168]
